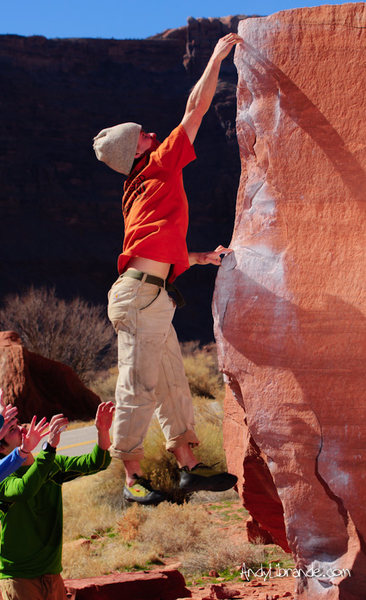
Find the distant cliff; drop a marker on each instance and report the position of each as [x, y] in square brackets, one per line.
[61, 223]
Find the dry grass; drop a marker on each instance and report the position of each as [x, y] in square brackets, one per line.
[104, 384]
[92, 504]
[120, 538]
[202, 371]
[103, 557]
[169, 528]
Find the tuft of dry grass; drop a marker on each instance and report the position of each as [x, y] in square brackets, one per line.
[202, 371]
[173, 529]
[104, 384]
[220, 554]
[211, 448]
[130, 524]
[159, 465]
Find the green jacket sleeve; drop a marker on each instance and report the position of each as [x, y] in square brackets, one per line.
[71, 467]
[23, 487]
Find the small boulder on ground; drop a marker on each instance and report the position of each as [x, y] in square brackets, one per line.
[165, 584]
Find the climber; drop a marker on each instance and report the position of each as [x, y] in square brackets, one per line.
[155, 210]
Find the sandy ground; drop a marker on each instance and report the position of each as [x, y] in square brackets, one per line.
[256, 589]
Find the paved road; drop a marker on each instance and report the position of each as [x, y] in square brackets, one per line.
[76, 441]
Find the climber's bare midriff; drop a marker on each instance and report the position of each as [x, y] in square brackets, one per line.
[152, 267]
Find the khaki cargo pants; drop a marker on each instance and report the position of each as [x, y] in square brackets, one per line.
[151, 374]
[46, 587]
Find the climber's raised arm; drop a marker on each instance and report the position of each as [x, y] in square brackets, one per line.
[201, 96]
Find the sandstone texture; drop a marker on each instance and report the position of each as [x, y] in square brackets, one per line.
[290, 303]
[153, 585]
[61, 222]
[40, 386]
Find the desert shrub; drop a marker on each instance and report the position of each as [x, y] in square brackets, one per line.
[216, 551]
[104, 383]
[130, 524]
[211, 448]
[173, 529]
[202, 371]
[75, 332]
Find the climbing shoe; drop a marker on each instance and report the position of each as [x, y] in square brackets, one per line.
[142, 492]
[203, 477]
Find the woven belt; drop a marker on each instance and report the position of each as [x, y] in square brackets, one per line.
[169, 287]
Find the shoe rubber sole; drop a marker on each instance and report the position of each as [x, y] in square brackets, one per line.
[152, 501]
[214, 483]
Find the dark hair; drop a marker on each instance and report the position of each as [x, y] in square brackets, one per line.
[3, 444]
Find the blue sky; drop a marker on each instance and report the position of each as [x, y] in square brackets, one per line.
[124, 19]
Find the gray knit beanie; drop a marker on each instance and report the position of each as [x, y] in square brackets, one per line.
[116, 146]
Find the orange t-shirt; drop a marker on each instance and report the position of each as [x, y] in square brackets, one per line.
[155, 207]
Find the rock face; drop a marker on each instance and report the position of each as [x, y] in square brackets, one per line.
[290, 304]
[37, 385]
[61, 222]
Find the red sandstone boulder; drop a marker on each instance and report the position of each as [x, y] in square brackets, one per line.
[150, 585]
[290, 305]
[37, 385]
